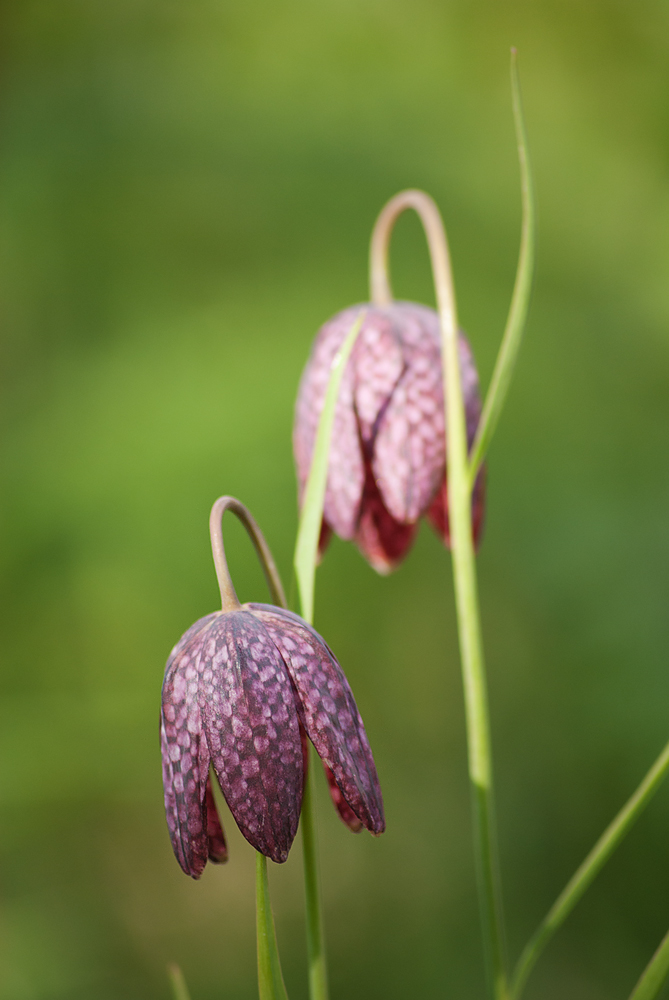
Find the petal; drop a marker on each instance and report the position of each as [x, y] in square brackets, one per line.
[383, 541]
[188, 636]
[185, 754]
[345, 467]
[437, 514]
[378, 364]
[345, 812]
[328, 711]
[323, 539]
[218, 849]
[252, 731]
[409, 448]
[345, 473]
[470, 387]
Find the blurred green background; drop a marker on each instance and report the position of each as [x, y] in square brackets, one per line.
[186, 194]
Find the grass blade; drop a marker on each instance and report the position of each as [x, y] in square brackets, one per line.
[655, 974]
[508, 352]
[591, 867]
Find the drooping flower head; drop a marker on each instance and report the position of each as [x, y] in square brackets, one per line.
[387, 463]
[242, 688]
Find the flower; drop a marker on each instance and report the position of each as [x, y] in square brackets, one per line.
[387, 464]
[241, 689]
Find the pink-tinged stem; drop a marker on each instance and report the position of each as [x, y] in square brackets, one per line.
[229, 598]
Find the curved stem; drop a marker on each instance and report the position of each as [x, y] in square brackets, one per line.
[229, 599]
[587, 871]
[379, 283]
[464, 565]
[508, 351]
[654, 975]
[270, 977]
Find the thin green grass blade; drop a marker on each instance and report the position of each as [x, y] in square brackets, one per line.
[177, 982]
[655, 974]
[589, 869]
[270, 977]
[309, 529]
[508, 352]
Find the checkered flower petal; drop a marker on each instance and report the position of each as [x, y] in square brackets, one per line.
[241, 689]
[328, 712]
[252, 731]
[387, 455]
[191, 814]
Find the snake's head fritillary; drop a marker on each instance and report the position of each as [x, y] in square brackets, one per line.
[240, 689]
[388, 453]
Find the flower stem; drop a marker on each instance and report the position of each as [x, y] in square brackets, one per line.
[229, 598]
[508, 351]
[471, 644]
[464, 566]
[587, 871]
[318, 975]
[655, 974]
[270, 979]
[177, 982]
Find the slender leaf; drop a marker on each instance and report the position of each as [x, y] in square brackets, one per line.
[586, 873]
[655, 974]
[508, 352]
[314, 495]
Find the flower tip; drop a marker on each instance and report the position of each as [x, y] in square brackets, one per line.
[346, 814]
[381, 566]
[219, 859]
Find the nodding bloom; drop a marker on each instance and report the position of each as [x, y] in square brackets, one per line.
[387, 464]
[242, 688]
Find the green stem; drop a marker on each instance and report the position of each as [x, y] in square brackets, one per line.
[270, 979]
[586, 873]
[177, 982]
[471, 651]
[508, 352]
[464, 565]
[655, 974]
[306, 548]
[318, 975]
[311, 515]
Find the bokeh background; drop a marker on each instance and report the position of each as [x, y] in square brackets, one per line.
[186, 194]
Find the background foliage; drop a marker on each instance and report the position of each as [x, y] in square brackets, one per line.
[186, 194]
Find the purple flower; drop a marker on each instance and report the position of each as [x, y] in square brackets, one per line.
[241, 689]
[388, 453]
